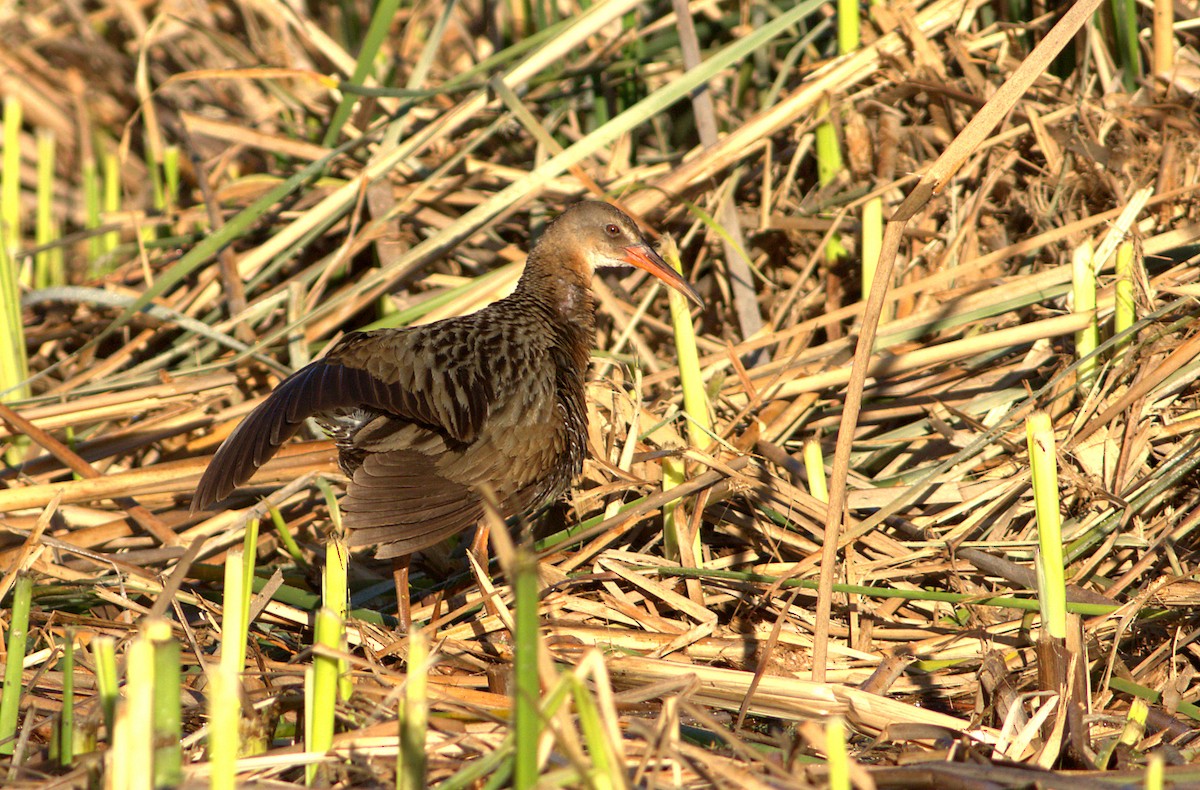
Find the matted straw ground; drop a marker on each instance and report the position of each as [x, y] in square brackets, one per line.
[706, 670]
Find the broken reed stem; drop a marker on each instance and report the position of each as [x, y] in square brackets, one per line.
[413, 719]
[1083, 280]
[526, 680]
[18, 632]
[1051, 575]
[1125, 307]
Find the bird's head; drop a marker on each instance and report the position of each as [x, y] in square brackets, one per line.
[603, 237]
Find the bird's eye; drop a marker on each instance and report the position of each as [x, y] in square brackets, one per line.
[612, 230]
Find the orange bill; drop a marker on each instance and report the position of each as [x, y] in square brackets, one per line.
[645, 258]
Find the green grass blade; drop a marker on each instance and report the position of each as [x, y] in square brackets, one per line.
[18, 634]
[1129, 52]
[381, 20]
[1021, 604]
[604, 773]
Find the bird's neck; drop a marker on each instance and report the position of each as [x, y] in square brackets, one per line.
[563, 294]
[565, 289]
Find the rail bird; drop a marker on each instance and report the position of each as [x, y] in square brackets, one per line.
[425, 418]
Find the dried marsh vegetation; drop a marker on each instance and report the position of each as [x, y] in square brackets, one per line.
[197, 199]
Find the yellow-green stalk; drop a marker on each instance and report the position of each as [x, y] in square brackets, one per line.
[112, 198]
[847, 26]
[171, 177]
[1125, 312]
[18, 634]
[48, 267]
[695, 406]
[695, 397]
[836, 756]
[872, 246]
[414, 717]
[814, 470]
[249, 555]
[224, 723]
[10, 178]
[336, 593]
[321, 688]
[1135, 722]
[1052, 591]
[829, 164]
[604, 772]
[674, 472]
[66, 721]
[331, 501]
[14, 367]
[104, 658]
[167, 716]
[598, 720]
[829, 154]
[526, 686]
[225, 708]
[133, 741]
[1154, 771]
[154, 164]
[1131, 734]
[285, 537]
[1083, 282]
[1129, 51]
[90, 177]
[234, 613]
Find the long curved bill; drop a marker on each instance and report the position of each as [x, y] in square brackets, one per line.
[646, 259]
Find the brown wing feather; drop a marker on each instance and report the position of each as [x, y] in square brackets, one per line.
[395, 501]
[439, 370]
[352, 377]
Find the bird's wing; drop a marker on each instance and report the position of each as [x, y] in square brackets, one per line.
[435, 375]
[442, 394]
[396, 502]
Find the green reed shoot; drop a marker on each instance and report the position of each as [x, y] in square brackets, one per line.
[1052, 591]
[18, 635]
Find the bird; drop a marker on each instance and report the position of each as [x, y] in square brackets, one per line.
[431, 420]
